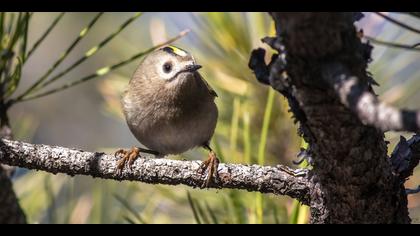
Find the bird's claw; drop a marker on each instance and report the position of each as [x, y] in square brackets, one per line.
[211, 164]
[127, 156]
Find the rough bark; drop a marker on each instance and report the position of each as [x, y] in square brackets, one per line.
[352, 174]
[10, 210]
[279, 180]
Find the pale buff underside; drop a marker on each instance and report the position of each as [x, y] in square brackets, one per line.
[170, 127]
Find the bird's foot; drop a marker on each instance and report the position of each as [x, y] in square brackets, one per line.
[211, 164]
[127, 156]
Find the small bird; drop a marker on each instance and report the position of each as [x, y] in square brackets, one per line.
[170, 108]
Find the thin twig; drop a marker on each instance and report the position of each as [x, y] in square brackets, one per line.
[412, 191]
[25, 37]
[399, 23]
[391, 44]
[82, 34]
[89, 53]
[45, 34]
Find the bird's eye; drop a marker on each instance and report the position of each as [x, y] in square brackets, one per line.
[167, 67]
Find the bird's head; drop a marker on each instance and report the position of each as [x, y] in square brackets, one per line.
[170, 65]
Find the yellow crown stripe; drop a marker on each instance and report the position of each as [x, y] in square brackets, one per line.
[178, 51]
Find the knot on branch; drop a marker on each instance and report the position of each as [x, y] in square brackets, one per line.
[257, 64]
[406, 156]
[274, 73]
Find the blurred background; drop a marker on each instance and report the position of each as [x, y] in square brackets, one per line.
[254, 126]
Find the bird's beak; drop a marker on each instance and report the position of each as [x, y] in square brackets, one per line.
[192, 68]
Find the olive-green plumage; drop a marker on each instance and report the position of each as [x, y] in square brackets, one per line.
[168, 105]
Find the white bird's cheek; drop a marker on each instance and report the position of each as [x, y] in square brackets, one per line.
[165, 76]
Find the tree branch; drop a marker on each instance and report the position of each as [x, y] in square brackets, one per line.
[358, 97]
[399, 23]
[413, 47]
[278, 180]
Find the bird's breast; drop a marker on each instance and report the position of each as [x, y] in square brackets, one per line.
[170, 126]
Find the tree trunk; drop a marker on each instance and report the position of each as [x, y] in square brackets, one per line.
[10, 211]
[351, 170]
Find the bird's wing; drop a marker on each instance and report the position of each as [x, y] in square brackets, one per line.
[211, 90]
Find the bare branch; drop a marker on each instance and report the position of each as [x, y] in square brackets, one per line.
[279, 180]
[413, 47]
[358, 97]
[399, 23]
[412, 191]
